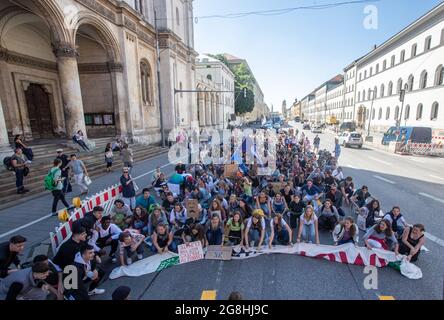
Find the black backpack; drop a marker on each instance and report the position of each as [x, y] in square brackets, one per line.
[7, 162]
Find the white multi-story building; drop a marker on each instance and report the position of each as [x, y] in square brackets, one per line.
[320, 93]
[411, 60]
[214, 108]
[335, 100]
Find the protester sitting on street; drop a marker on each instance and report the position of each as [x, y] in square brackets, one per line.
[106, 235]
[55, 276]
[163, 240]
[374, 213]
[233, 204]
[244, 209]
[79, 139]
[169, 203]
[255, 232]
[347, 188]
[155, 218]
[139, 220]
[21, 166]
[214, 233]
[346, 231]
[335, 197]
[360, 196]
[381, 236]
[18, 142]
[412, 241]
[88, 275]
[280, 232]
[57, 181]
[121, 293]
[234, 230]
[278, 205]
[397, 221]
[130, 244]
[296, 208]
[128, 189]
[328, 216]
[195, 232]
[308, 226]
[145, 200]
[78, 170]
[68, 250]
[26, 284]
[179, 216]
[312, 194]
[121, 214]
[287, 193]
[329, 180]
[263, 203]
[91, 220]
[9, 252]
[216, 208]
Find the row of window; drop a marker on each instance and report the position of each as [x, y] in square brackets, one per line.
[402, 57]
[409, 86]
[349, 75]
[419, 112]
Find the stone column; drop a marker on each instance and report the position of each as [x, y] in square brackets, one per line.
[201, 106]
[70, 87]
[213, 111]
[123, 128]
[5, 147]
[208, 110]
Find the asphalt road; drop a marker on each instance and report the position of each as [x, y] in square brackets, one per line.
[394, 180]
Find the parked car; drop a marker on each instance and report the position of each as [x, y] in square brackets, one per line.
[306, 126]
[349, 139]
[347, 126]
[316, 130]
[412, 134]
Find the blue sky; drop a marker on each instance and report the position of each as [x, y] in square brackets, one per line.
[291, 54]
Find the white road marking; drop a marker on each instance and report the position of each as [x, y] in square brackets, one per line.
[436, 177]
[381, 161]
[431, 197]
[50, 215]
[384, 179]
[350, 166]
[434, 239]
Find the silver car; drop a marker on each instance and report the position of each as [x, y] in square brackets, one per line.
[348, 139]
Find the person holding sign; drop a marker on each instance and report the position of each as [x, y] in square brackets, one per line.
[280, 232]
[194, 233]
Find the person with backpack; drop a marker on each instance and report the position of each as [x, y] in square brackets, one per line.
[18, 140]
[397, 220]
[54, 183]
[67, 187]
[18, 164]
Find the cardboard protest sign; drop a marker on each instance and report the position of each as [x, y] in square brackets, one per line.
[218, 253]
[231, 170]
[190, 252]
[278, 186]
[192, 206]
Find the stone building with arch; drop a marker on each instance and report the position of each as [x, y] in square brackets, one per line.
[87, 65]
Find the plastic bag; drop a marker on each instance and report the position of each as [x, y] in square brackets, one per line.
[87, 180]
[410, 270]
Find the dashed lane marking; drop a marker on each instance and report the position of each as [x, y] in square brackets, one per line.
[384, 179]
[208, 295]
[380, 161]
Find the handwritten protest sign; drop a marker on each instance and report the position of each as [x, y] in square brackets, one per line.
[190, 252]
[218, 253]
[231, 170]
[192, 206]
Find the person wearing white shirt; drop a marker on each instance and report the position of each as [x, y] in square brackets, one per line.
[106, 234]
[337, 174]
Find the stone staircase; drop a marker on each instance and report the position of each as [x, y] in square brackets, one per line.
[45, 153]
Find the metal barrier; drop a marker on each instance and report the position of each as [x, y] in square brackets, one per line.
[427, 149]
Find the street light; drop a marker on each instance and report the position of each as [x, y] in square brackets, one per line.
[370, 114]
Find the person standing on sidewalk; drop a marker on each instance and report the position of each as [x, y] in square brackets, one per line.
[67, 188]
[316, 143]
[57, 193]
[109, 157]
[128, 191]
[79, 171]
[127, 157]
[20, 165]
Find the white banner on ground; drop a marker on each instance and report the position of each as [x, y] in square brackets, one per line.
[346, 253]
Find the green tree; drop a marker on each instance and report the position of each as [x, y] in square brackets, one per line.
[243, 79]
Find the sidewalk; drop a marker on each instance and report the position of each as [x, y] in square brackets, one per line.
[39, 208]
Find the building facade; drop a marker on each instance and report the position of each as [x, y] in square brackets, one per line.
[335, 100]
[91, 65]
[411, 61]
[214, 108]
